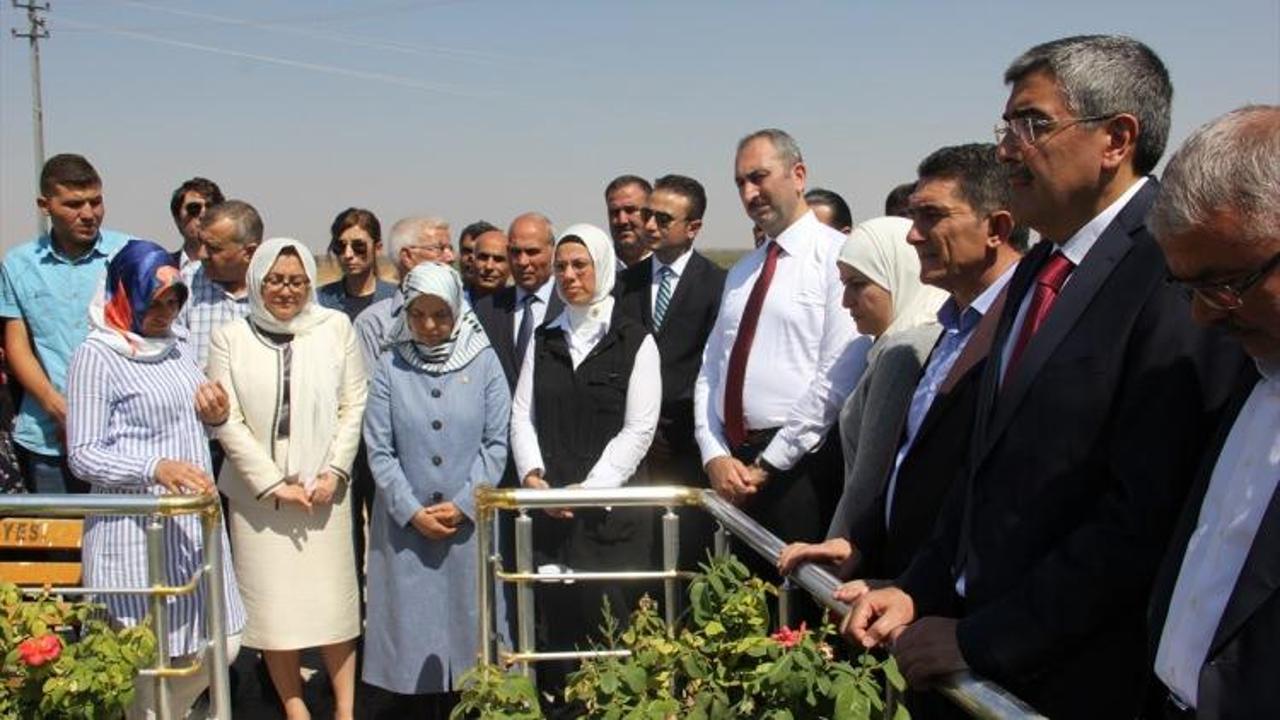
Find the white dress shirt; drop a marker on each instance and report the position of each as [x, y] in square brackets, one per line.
[655, 278]
[622, 455]
[538, 308]
[804, 360]
[1243, 482]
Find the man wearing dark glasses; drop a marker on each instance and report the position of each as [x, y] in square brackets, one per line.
[186, 205]
[1215, 612]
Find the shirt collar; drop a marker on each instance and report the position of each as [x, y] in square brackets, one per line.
[952, 318]
[789, 240]
[47, 247]
[677, 266]
[543, 293]
[1079, 244]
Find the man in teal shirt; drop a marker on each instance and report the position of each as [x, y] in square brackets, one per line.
[46, 286]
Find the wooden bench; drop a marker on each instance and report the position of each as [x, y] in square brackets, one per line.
[40, 551]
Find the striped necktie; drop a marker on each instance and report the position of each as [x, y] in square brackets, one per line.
[660, 305]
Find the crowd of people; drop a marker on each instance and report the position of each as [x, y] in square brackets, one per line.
[1054, 464]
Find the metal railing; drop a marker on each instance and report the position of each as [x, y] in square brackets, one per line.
[210, 576]
[979, 697]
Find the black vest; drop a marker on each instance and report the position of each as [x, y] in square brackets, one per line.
[577, 412]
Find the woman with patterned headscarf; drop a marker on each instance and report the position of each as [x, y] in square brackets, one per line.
[133, 429]
[585, 410]
[436, 428]
[296, 387]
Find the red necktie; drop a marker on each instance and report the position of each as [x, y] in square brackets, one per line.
[1048, 284]
[735, 423]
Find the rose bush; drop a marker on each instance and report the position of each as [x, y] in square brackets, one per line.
[62, 660]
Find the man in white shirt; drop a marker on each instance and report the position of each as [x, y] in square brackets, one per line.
[1215, 612]
[781, 357]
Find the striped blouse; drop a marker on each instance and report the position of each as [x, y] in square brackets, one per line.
[124, 417]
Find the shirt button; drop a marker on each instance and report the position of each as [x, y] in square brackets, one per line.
[436, 424]
[436, 460]
[435, 392]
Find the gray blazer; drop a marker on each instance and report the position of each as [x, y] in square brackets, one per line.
[873, 417]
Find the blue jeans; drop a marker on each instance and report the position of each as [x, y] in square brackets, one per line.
[48, 473]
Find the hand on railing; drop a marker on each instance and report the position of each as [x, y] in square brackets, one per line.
[878, 616]
[182, 478]
[534, 481]
[836, 551]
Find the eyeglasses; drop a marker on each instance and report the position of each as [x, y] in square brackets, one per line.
[358, 247]
[1229, 295]
[664, 220]
[1029, 129]
[194, 209]
[293, 282]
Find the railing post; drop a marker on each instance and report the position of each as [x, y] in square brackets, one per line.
[721, 540]
[524, 591]
[671, 563]
[484, 533]
[216, 612]
[157, 577]
[784, 602]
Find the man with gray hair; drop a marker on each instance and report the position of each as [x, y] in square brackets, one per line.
[1215, 612]
[412, 240]
[228, 232]
[1091, 410]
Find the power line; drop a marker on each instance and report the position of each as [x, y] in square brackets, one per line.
[37, 30]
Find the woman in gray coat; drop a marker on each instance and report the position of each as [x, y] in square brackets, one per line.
[436, 427]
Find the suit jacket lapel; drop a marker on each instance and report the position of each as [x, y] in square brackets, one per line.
[1110, 248]
[979, 345]
[643, 293]
[687, 278]
[554, 307]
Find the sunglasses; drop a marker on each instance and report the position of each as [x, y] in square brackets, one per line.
[194, 209]
[663, 219]
[358, 247]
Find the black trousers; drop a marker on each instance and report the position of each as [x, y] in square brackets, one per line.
[796, 505]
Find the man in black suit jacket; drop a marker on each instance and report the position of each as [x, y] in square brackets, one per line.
[187, 204]
[530, 243]
[1095, 402]
[1215, 612]
[680, 318]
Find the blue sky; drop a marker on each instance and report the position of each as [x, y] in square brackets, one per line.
[486, 109]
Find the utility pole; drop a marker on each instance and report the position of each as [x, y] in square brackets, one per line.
[36, 31]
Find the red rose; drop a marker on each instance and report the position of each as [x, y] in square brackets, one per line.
[37, 651]
[788, 637]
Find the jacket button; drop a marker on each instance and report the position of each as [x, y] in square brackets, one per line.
[436, 424]
[436, 460]
[435, 392]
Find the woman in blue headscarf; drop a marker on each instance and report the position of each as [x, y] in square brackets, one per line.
[133, 428]
[436, 426]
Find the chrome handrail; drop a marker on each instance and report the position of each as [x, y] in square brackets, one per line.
[156, 508]
[977, 696]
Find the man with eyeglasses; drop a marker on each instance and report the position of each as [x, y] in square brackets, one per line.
[1215, 612]
[1090, 416]
[187, 203]
[412, 240]
[675, 293]
[624, 198]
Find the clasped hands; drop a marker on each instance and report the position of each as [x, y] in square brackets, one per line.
[438, 521]
[320, 491]
[533, 479]
[733, 479]
[885, 616]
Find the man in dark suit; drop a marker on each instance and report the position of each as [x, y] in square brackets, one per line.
[675, 293]
[511, 314]
[1095, 402]
[968, 245]
[1215, 612]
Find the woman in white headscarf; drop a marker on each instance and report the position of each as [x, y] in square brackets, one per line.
[585, 410]
[296, 384]
[883, 293]
[436, 427]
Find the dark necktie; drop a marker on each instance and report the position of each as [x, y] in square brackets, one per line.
[526, 326]
[735, 424]
[1048, 284]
